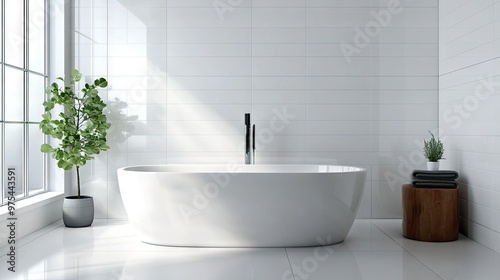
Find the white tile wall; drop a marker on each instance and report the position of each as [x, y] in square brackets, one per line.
[469, 116]
[183, 72]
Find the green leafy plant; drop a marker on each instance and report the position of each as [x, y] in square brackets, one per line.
[81, 127]
[433, 149]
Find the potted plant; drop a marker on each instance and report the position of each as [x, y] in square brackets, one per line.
[433, 151]
[81, 128]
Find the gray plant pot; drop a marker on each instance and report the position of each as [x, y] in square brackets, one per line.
[78, 212]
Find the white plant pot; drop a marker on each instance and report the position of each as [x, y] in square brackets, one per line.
[433, 165]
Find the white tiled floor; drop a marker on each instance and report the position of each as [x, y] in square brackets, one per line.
[374, 249]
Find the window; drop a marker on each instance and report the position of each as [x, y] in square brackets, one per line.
[23, 72]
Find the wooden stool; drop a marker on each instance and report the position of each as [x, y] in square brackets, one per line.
[430, 214]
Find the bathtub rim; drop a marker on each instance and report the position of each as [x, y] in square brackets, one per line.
[233, 168]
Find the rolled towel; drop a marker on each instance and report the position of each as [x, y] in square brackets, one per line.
[427, 183]
[435, 175]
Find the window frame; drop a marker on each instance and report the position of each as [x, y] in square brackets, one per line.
[26, 122]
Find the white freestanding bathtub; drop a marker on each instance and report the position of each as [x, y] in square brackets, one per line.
[241, 205]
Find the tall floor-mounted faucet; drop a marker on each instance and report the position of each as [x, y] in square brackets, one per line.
[249, 140]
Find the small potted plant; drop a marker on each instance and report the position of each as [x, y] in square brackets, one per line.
[81, 128]
[433, 151]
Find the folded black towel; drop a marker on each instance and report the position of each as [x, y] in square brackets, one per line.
[427, 183]
[435, 175]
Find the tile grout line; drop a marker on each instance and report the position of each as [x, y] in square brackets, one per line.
[407, 251]
[289, 262]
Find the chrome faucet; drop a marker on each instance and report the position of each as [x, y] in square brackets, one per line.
[249, 141]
